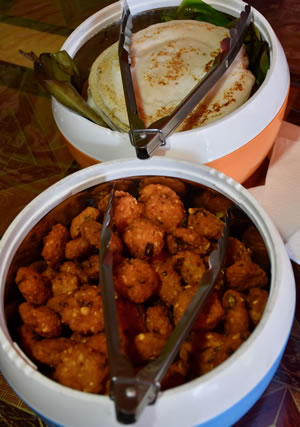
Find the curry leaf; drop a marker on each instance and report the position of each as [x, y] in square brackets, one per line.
[197, 9]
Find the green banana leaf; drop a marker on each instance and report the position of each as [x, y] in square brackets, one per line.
[58, 74]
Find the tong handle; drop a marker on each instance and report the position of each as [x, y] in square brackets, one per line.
[132, 394]
[156, 370]
[146, 141]
[119, 365]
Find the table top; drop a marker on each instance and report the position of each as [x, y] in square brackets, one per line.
[33, 155]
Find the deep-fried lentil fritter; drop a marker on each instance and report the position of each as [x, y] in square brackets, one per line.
[149, 345]
[245, 274]
[82, 310]
[190, 266]
[131, 317]
[102, 190]
[158, 321]
[235, 251]
[77, 248]
[233, 342]
[89, 213]
[41, 319]
[96, 342]
[236, 314]
[162, 206]
[253, 240]
[91, 266]
[91, 230]
[143, 238]
[175, 184]
[48, 351]
[210, 316]
[210, 352]
[64, 283]
[55, 303]
[49, 272]
[75, 269]
[81, 368]
[28, 338]
[54, 244]
[34, 287]
[125, 209]
[170, 282]
[214, 202]
[183, 239]
[135, 279]
[256, 301]
[205, 223]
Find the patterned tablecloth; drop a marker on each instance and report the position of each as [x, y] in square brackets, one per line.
[33, 156]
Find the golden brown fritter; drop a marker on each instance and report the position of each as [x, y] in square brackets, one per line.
[214, 202]
[77, 248]
[211, 315]
[175, 184]
[55, 303]
[91, 230]
[34, 287]
[256, 301]
[170, 282]
[64, 283]
[136, 280]
[126, 210]
[236, 314]
[102, 190]
[41, 319]
[210, 352]
[96, 342]
[82, 310]
[49, 272]
[28, 338]
[190, 266]
[245, 274]
[91, 266]
[87, 214]
[253, 240]
[49, 350]
[205, 223]
[143, 239]
[162, 206]
[235, 251]
[75, 269]
[81, 368]
[131, 317]
[149, 345]
[158, 321]
[54, 244]
[184, 239]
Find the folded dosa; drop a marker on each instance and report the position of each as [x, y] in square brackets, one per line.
[168, 59]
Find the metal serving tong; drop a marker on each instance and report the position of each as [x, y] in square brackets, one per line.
[132, 391]
[147, 140]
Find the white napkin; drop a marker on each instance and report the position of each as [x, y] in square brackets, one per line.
[280, 195]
